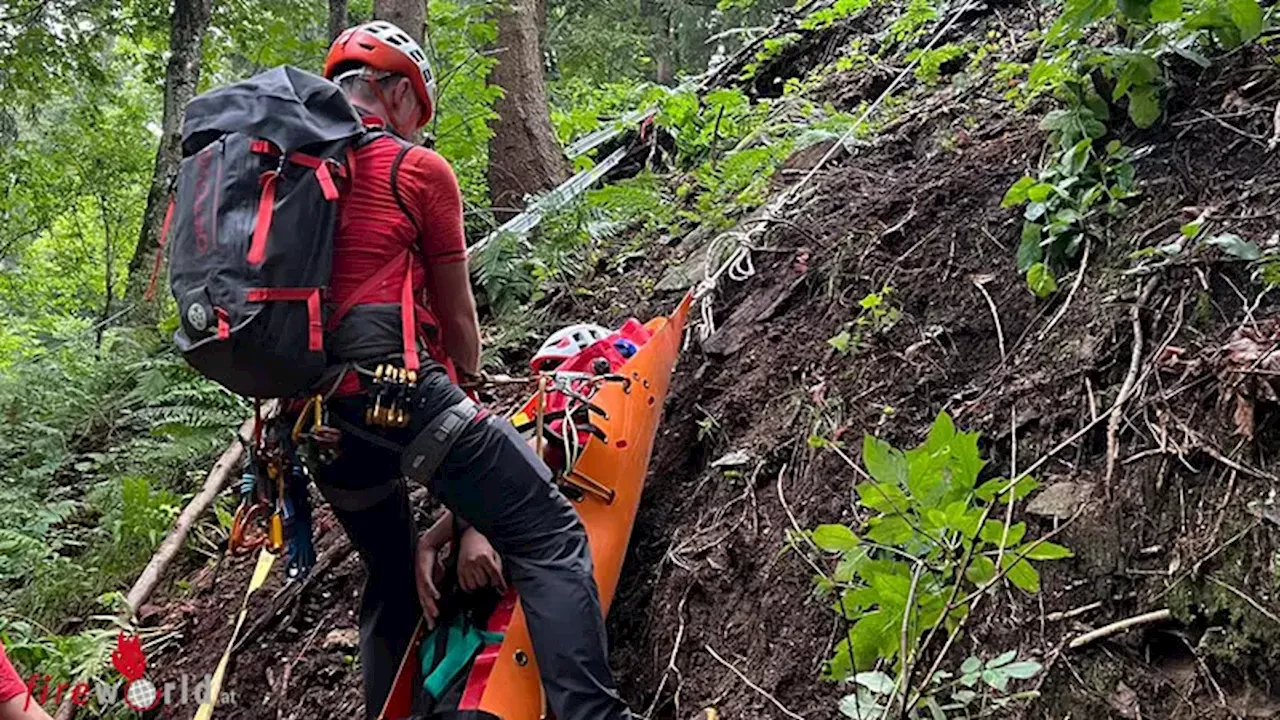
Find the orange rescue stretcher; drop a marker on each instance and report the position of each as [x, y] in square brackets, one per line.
[605, 482]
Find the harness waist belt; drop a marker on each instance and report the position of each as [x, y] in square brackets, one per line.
[427, 451]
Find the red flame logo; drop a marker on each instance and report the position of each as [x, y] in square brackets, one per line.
[128, 657]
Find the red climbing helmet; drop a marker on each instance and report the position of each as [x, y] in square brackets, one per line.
[382, 46]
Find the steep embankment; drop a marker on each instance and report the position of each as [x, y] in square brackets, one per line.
[918, 210]
[1156, 506]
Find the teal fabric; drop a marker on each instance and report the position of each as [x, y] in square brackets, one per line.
[462, 641]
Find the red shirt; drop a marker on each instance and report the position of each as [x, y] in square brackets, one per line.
[373, 231]
[11, 684]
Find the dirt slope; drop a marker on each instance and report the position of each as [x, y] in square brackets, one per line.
[918, 210]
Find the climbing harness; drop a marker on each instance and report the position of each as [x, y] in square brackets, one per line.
[391, 396]
[427, 451]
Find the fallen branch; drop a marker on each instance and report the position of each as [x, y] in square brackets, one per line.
[1120, 626]
[995, 315]
[1130, 380]
[168, 550]
[1240, 594]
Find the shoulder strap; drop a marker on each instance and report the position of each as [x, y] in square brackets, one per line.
[395, 187]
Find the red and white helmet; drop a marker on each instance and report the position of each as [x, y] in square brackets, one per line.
[382, 46]
[565, 343]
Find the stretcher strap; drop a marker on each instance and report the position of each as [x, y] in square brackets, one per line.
[482, 668]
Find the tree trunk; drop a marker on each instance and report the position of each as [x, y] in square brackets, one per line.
[408, 15]
[337, 17]
[186, 36]
[109, 259]
[524, 155]
[662, 42]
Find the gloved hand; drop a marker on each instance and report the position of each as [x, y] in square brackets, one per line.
[300, 549]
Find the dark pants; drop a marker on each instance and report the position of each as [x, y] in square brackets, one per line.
[492, 480]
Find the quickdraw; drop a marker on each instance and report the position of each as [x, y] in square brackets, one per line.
[391, 396]
[274, 512]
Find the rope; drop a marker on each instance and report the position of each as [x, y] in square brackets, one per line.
[738, 265]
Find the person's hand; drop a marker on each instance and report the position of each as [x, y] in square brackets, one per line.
[430, 572]
[478, 563]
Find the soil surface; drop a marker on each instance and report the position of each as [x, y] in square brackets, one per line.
[1172, 508]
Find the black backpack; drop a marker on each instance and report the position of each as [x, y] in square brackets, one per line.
[251, 227]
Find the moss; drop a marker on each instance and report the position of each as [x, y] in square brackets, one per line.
[1238, 634]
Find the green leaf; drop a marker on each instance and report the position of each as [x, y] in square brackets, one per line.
[1041, 281]
[1077, 158]
[1002, 659]
[1022, 574]
[875, 681]
[993, 532]
[861, 706]
[1017, 193]
[968, 526]
[1166, 10]
[996, 679]
[1034, 211]
[1030, 251]
[1045, 551]
[980, 571]
[1135, 9]
[866, 637]
[1144, 105]
[1039, 192]
[972, 664]
[987, 491]
[849, 564]
[834, 538]
[882, 497]
[841, 342]
[1079, 14]
[1139, 69]
[883, 461]
[1236, 246]
[889, 530]
[1247, 16]
[1054, 121]
[941, 432]
[1022, 670]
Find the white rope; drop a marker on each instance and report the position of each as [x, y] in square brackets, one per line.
[738, 265]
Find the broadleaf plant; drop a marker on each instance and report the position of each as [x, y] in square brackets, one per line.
[930, 540]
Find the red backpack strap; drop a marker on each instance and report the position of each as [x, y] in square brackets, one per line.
[408, 326]
[408, 323]
[150, 294]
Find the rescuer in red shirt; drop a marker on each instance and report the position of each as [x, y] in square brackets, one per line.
[401, 293]
[15, 696]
